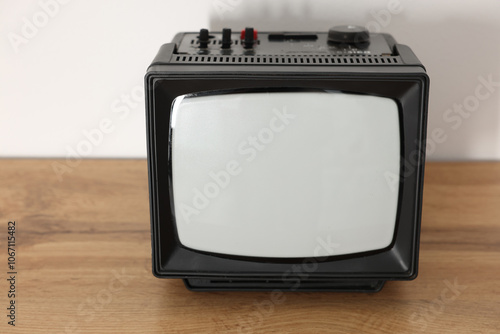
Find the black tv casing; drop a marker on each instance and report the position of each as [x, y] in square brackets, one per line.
[401, 78]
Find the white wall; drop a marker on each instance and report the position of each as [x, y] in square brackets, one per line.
[84, 65]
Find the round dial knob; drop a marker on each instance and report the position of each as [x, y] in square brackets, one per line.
[348, 35]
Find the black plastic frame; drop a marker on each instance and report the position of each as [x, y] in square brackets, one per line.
[290, 260]
[407, 86]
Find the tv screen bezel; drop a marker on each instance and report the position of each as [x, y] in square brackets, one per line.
[397, 261]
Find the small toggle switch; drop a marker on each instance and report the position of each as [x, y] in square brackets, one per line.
[226, 38]
[248, 37]
[204, 38]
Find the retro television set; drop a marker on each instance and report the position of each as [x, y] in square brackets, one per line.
[286, 160]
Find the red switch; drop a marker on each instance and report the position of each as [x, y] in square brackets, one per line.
[242, 36]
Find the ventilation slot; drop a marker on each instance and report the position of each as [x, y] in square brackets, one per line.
[214, 41]
[323, 60]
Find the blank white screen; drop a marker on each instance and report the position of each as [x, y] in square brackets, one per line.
[300, 174]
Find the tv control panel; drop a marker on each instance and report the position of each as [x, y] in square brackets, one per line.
[340, 40]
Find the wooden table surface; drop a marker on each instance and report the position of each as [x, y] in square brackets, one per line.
[83, 262]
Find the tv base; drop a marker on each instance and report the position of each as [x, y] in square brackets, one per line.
[292, 284]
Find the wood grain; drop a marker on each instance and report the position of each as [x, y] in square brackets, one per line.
[76, 235]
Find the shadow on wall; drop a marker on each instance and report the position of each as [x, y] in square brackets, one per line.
[461, 56]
